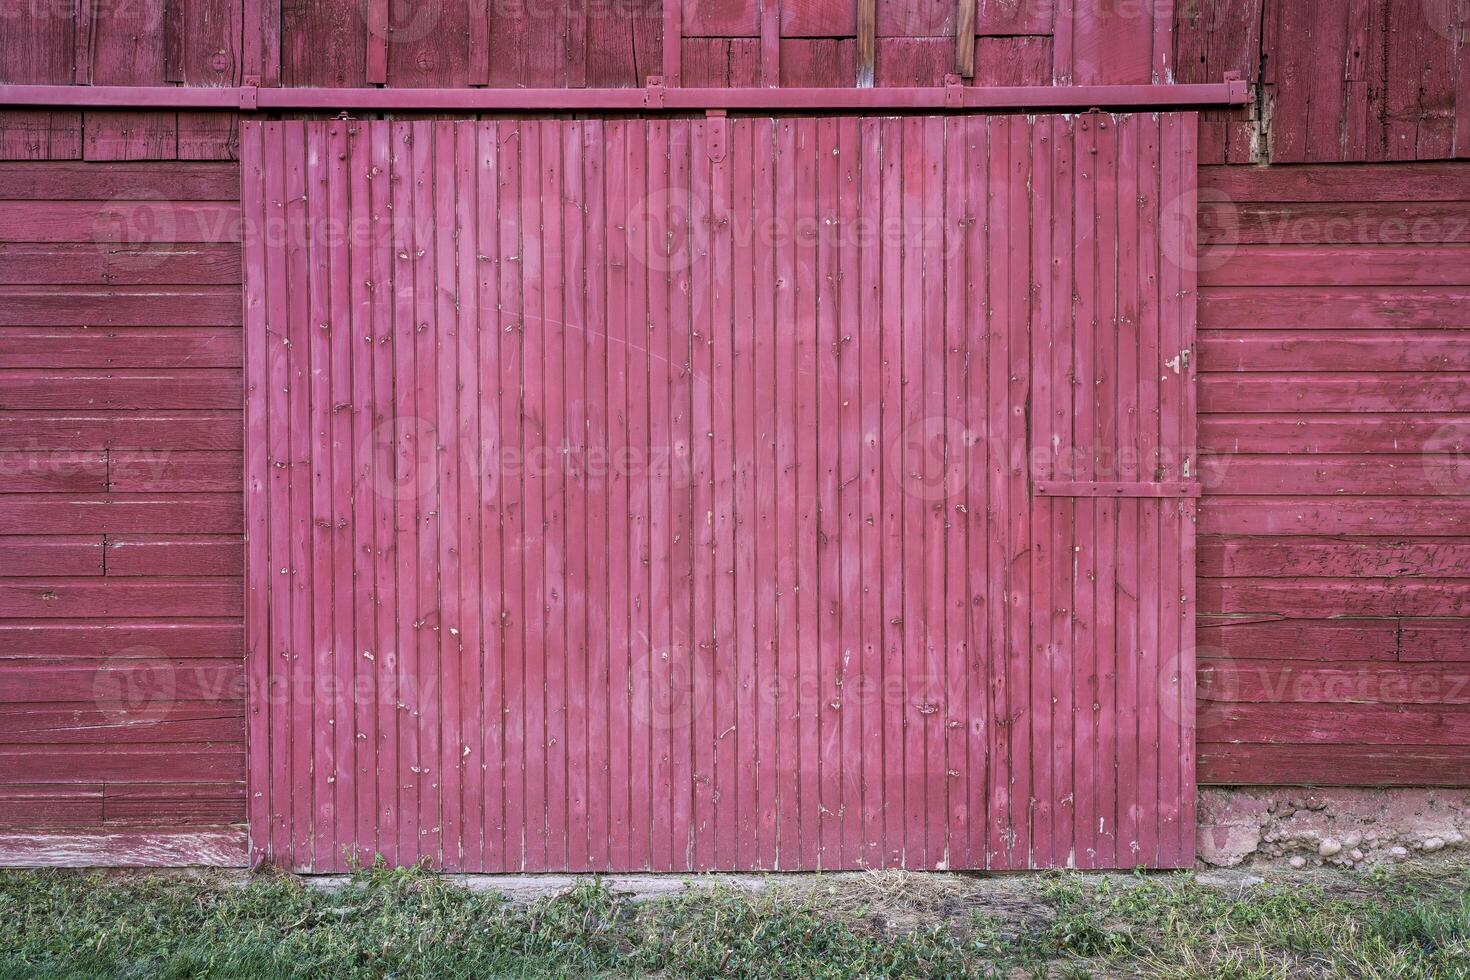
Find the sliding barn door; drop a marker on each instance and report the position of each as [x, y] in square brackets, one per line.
[720, 494]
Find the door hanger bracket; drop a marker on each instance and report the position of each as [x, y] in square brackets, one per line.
[716, 137]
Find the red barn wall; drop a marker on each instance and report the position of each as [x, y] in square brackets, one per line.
[120, 496]
[1341, 81]
[1335, 533]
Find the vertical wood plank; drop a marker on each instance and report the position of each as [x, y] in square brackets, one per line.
[743, 409]
[867, 41]
[258, 653]
[1126, 582]
[84, 41]
[808, 589]
[789, 660]
[510, 324]
[1106, 396]
[723, 409]
[1172, 286]
[1085, 693]
[1064, 43]
[890, 395]
[770, 50]
[577, 489]
[847, 522]
[386, 663]
[914, 448]
[278, 448]
[322, 752]
[478, 67]
[701, 840]
[538, 457]
[665, 684]
[1149, 595]
[489, 478]
[620, 271]
[409, 479]
[954, 514]
[1019, 587]
[598, 471]
[978, 584]
[673, 40]
[964, 39]
[867, 352]
[931, 490]
[685, 658]
[376, 56]
[1163, 15]
[1187, 150]
[429, 383]
[1048, 171]
[827, 707]
[172, 27]
[301, 654]
[767, 686]
[643, 212]
[473, 363]
[663, 593]
[341, 445]
[554, 522]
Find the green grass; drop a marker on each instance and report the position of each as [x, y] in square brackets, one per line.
[414, 925]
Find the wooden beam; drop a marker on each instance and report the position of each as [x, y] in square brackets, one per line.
[377, 42]
[82, 42]
[479, 67]
[673, 41]
[576, 34]
[867, 41]
[260, 47]
[173, 40]
[653, 98]
[964, 40]
[771, 43]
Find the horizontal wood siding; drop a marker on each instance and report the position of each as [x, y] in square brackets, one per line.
[1335, 558]
[121, 560]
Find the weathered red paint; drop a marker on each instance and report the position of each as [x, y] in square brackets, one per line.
[121, 595]
[1312, 516]
[664, 487]
[1333, 350]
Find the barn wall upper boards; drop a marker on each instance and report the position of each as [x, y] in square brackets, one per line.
[663, 494]
[1340, 80]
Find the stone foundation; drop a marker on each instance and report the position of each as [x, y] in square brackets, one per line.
[1343, 827]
